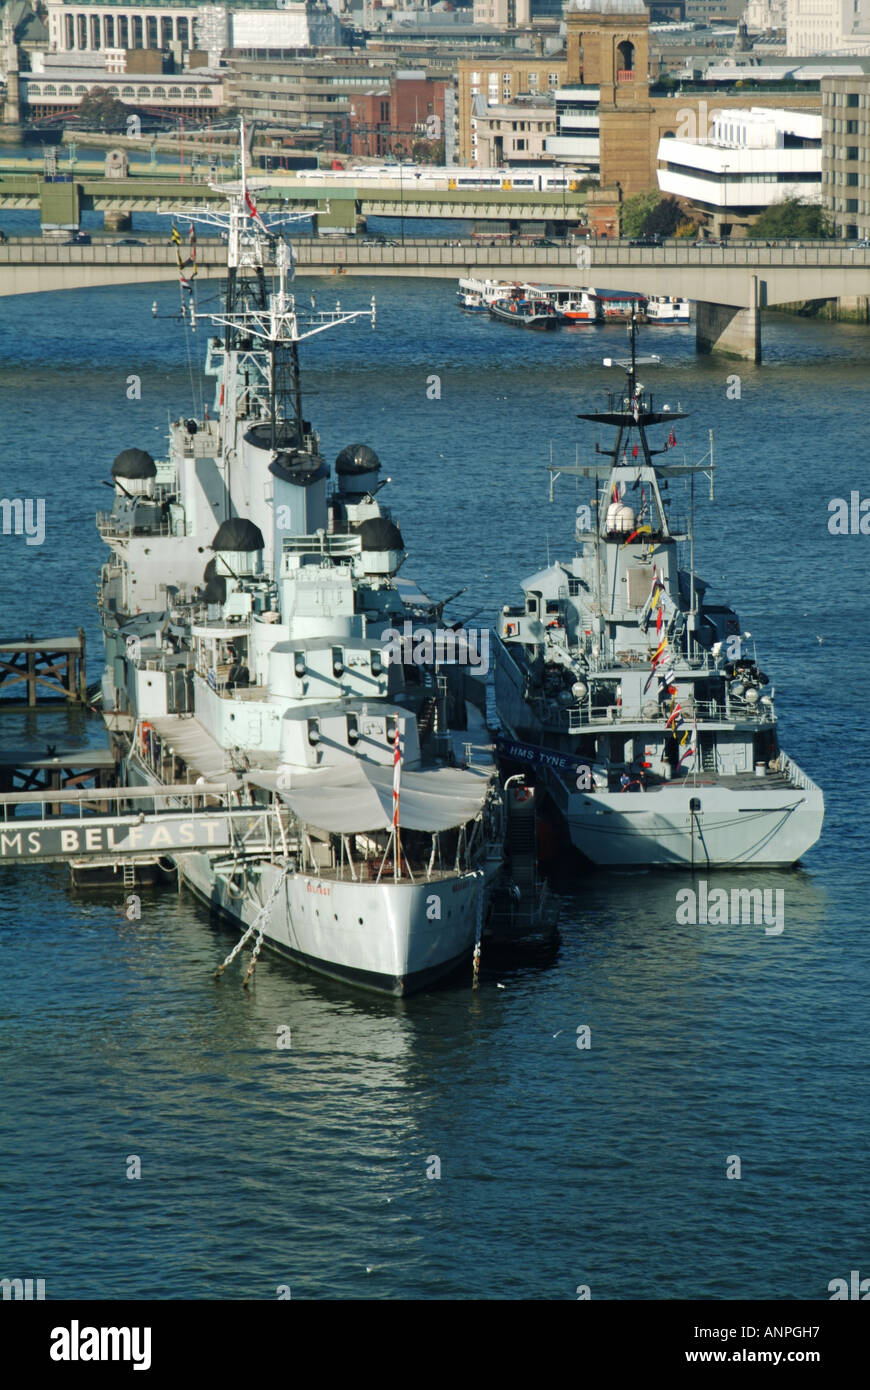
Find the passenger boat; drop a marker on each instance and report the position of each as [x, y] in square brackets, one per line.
[525, 313]
[477, 295]
[575, 305]
[667, 309]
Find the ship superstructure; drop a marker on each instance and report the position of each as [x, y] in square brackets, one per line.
[253, 618]
[641, 700]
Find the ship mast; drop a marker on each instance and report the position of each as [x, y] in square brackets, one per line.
[262, 329]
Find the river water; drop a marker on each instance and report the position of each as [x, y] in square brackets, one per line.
[559, 1167]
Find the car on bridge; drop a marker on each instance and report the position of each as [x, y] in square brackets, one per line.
[129, 241]
[78, 239]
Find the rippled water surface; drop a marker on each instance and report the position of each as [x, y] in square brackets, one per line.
[559, 1167]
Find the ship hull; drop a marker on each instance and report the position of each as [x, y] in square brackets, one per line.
[658, 829]
[739, 825]
[392, 938]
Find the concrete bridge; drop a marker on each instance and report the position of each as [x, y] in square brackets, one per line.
[730, 285]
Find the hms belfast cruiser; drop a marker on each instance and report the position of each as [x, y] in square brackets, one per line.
[246, 610]
[653, 727]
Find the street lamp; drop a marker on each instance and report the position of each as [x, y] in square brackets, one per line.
[402, 203]
[725, 168]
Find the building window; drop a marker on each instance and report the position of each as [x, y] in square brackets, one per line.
[127, 92]
[851, 98]
[851, 151]
[624, 59]
[159, 93]
[553, 79]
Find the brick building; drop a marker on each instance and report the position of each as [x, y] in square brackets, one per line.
[395, 114]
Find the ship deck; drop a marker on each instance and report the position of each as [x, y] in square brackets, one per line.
[734, 781]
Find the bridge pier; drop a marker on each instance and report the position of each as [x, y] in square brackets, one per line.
[117, 221]
[730, 329]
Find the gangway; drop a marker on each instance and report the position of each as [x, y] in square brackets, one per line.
[104, 825]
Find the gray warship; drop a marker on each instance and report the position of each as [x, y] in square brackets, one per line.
[250, 615]
[639, 701]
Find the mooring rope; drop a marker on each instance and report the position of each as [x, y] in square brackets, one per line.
[479, 932]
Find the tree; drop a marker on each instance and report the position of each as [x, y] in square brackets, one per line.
[635, 209]
[793, 217]
[102, 111]
[663, 219]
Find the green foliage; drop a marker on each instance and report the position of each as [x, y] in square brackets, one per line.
[664, 218]
[793, 217]
[635, 210]
[103, 112]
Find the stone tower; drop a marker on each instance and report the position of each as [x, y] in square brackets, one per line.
[608, 47]
[9, 63]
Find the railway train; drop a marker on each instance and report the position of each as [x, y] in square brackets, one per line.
[427, 177]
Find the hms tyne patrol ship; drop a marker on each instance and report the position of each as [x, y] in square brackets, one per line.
[247, 613]
[654, 727]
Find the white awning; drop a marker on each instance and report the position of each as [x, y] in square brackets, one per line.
[193, 743]
[358, 796]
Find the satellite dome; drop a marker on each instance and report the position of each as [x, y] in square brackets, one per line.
[357, 458]
[238, 534]
[380, 534]
[134, 463]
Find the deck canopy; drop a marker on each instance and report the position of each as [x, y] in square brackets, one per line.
[357, 797]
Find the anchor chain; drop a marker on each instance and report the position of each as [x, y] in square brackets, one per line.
[256, 928]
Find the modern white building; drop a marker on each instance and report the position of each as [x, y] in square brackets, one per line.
[577, 140]
[827, 26]
[752, 158]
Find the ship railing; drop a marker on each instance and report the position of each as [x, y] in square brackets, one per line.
[796, 775]
[108, 525]
[575, 718]
[341, 546]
